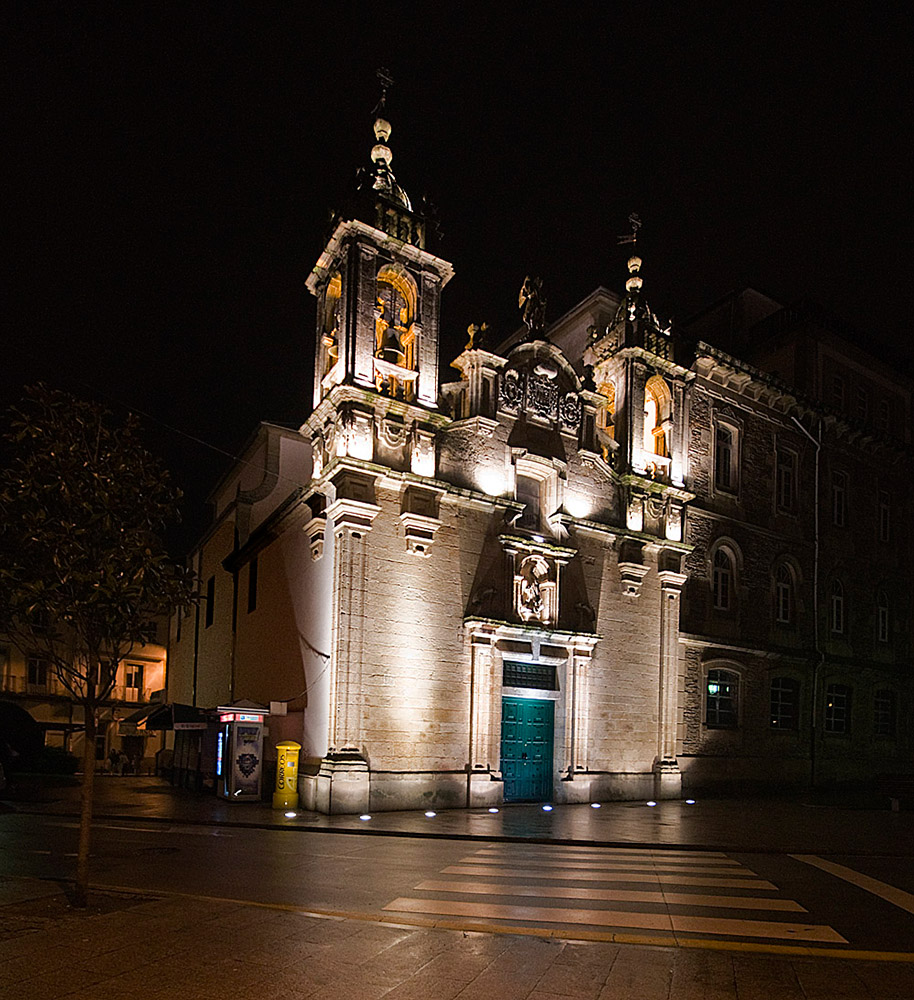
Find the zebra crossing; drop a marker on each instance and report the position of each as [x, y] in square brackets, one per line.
[669, 893]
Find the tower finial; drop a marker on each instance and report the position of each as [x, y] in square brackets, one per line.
[635, 222]
[386, 81]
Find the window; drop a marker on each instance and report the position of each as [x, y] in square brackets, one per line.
[37, 672]
[837, 607]
[884, 516]
[657, 406]
[837, 392]
[528, 491]
[863, 404]
[722, 580]
[837, 708]
[785, 703]
[210, 600]
[722, 707]
[133, 682]
[252, 585]
[882, 616]
[725, 464]
[884, 713]
[783, 594]
[786, 480]
[529, 675]
[839, 499]
[100, 746]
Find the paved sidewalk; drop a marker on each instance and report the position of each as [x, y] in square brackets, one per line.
[791, 825]
[138, 948]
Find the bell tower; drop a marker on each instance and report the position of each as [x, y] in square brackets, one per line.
[378, 290]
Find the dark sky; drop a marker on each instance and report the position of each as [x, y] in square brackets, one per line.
[173, 166]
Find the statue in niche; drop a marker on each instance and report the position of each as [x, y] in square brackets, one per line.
[532, 305]
[478, 337]
[533, 571]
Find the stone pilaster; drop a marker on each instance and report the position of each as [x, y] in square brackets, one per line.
[351, 525]
[667, 777]
[577, 685]
[365, 305]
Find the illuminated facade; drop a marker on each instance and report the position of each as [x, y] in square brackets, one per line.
[583, 570]
[29, 680]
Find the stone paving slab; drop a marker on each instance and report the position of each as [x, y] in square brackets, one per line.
[204, 949]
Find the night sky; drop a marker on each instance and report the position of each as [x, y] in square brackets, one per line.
[174, 166]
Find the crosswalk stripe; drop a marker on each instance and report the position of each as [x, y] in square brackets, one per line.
[612, 853]
[589, 875]
[621, 918]
[610, 866]
[613, 895]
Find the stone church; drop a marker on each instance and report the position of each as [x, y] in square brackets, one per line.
[608, 561]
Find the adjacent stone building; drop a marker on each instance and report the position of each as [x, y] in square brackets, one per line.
[607, 561]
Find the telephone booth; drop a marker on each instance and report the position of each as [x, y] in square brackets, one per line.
[239, 751]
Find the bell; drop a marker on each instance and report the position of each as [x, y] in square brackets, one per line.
[391, 351]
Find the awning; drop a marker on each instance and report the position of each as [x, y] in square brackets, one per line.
[172, 716]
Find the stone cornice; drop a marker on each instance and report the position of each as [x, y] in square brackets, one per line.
[361, 230]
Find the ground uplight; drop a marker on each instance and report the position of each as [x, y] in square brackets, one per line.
[364, 816]
[651, 803]
[594, 805]
[492, 809]
[547, 808]
[291, 815]
[430, 814]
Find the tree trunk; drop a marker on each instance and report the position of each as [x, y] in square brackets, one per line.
[81, 888]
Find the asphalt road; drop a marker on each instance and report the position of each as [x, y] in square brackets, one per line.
[831, 904]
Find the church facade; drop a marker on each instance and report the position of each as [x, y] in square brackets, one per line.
[604, 562]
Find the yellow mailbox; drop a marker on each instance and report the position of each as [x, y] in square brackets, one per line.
[286, 794]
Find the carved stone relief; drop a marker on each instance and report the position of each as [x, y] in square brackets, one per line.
[511, 390]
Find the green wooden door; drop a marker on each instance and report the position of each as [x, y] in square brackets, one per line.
[526, 749]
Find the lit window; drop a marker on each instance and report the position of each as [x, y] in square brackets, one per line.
[133, 681]
[725, 464]
[785, 703]
[657, 404]
[839, 499]
[722, 704]
[884, 713]
[884, 516]
[837, 607]
[783, 594]
[786, 480]
[882, 616]
[722, 580]
[837, 708]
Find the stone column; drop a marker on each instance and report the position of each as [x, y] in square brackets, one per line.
[667, 777]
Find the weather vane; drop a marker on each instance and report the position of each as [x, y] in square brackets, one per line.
[386, 81]
[635, 222]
